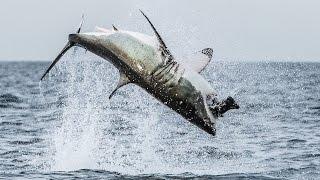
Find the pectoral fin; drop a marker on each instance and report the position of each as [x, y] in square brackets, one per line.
[199, 60]
[124, 80]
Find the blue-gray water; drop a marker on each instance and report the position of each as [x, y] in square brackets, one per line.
[65, 127]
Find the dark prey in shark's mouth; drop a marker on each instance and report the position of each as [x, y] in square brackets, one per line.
[147, 62]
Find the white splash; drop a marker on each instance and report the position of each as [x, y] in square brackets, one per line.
[94, 133]
[78, 137]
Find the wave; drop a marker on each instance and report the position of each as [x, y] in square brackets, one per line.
[10, 98]
[32, 141]
[101, 174]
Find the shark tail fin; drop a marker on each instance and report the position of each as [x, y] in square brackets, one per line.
[64, 50]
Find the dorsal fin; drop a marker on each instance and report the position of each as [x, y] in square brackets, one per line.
[163, 46]
[155, 31]
[114, 28]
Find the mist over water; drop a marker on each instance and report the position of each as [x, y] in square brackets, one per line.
[66, 127]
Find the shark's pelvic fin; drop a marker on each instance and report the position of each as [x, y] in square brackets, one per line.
[163, 46]
[81, 23]
[75, 49]
[199, 60]
[114, 28]
[124, 80]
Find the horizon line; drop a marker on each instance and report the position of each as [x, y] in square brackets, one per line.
[217, 60]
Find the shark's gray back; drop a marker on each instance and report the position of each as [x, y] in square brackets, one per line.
[181, 88]
[142, 53]
[137, 50]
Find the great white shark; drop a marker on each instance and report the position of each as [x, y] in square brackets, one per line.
[147, 62]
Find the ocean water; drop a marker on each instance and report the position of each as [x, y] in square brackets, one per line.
[66, 127]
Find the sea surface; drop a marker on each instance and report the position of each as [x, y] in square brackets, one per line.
[66, 127]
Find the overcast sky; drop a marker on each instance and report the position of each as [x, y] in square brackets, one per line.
[276, 30]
